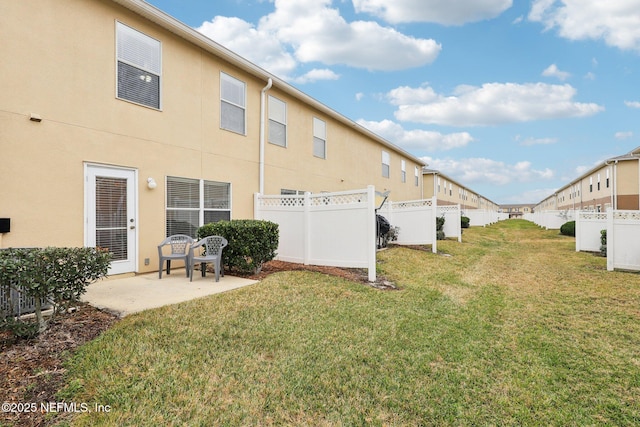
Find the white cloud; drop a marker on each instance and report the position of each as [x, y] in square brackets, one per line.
[617, 22]
[484, 170]
[417, 140]
[491, 104]
[553, 71]
[317, 32]
[311, 31]
[536, 141]
[531, 196]
[590, 76]
[359, 96]
[632, 104]
[260, 47]
[315, 75]
[447, 12]
[623, 135]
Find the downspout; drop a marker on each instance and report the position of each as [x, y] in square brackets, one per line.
[262, 124]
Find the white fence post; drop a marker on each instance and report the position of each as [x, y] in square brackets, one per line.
[371, 237]
[434, 215]
[577, 231]
[610, 240]
[307, 228]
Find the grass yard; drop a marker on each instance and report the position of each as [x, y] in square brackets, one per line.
[511, 327]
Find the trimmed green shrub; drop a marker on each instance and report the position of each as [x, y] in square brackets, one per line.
[568, 228]
[251, 243]
[603, 243]
[60, 275]
[439, 228]
[464, 221]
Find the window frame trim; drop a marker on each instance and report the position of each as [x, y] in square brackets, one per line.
[244, 108]
[201, 204]
[285, 124]
[118, 60]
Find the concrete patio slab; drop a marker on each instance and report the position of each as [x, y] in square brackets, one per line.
[127, 294]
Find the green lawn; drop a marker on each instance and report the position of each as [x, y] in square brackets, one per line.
[511, 327]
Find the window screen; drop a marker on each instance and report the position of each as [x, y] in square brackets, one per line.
[139, 66]
[192, 203]
[277, 122]
[232, 104]
[319, 138]
[386, 160]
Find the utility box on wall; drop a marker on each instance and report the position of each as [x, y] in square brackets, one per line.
[5, 225]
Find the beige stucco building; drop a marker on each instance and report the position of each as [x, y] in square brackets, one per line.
[612, 184]
[450, 192]
[120, 125]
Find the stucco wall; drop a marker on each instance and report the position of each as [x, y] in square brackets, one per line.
[62, 67]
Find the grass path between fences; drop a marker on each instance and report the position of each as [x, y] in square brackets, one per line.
[510, 327]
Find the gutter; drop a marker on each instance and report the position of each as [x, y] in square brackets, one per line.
[262, 124]
[189, 34]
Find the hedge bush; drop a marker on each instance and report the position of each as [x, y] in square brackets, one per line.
[251, 243]
[60, 275]
[464, 221]
[603, 243]
[440, 228]
[568, 228]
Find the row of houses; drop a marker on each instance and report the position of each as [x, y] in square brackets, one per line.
[120, 125]
[613, 184]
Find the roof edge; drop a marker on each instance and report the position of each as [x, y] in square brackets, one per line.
[191, 35]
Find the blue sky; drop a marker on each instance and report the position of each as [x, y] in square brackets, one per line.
[511, 98]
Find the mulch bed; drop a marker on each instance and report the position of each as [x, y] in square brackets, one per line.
[32, 371]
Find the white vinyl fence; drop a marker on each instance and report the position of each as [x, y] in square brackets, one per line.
[416, 220]
[334, 229]
[480, 217]
[588, 227]
[551, 220]
[452, 222]
[623, 240]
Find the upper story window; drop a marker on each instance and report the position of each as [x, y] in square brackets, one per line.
[139, 67]
[277, 122]
[386, 164]
[403, 171]
[232, 104]
[319, 138]
[417, 174]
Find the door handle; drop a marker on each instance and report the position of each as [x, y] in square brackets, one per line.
[132, 227]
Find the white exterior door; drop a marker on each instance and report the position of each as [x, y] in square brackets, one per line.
[110, 214]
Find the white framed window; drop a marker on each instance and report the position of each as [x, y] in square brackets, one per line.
[386, 164]
[416, 173]
[403, 171]
[191, 203]
[233, 94]
[277, 122]
[319, 138]
[139, 67]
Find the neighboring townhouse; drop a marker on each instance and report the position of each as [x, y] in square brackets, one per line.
[516, 210]
[120, 125]
[450, 192]
[612, 184]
